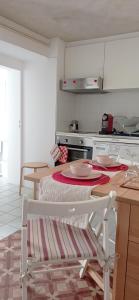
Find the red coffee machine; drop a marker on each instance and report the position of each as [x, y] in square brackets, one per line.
[107, 124]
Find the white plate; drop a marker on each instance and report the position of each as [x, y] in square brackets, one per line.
[93, 175]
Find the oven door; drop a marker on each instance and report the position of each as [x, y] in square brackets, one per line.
[79, 152]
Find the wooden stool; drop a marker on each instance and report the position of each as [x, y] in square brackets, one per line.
[35, 166]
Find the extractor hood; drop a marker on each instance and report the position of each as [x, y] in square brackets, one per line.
[82, 85]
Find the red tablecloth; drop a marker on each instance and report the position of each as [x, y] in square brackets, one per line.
[122, 167]
[101, 180]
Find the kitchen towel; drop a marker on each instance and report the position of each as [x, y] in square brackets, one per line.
[64, 154]
[59, 153]
[55, 153]
[51, 190]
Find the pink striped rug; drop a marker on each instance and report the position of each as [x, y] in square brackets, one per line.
[57, 285]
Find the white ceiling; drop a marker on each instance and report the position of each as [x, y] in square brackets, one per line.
[74, 20]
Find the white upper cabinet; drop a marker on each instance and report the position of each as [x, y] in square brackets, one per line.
[84, 60]
[121, 68]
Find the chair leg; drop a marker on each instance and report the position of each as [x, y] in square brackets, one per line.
[24, 289]
[21, 177]
[106, 271]
[23, 266]
[84, 264]
[106, 278]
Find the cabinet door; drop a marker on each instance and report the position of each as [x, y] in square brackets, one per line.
[121, 68]
[134, 225]
[85, 60]
[99, 148]
[133, 260]
[131, 289]
[129, 153]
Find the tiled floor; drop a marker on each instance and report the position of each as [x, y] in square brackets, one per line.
[10, 208]
[56, 285]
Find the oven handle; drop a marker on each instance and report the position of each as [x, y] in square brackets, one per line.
[77, 149]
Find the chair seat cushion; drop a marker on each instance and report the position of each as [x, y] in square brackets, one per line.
[49, 239]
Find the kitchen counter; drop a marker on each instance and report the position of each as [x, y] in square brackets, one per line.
[126, 270]
[98, 137]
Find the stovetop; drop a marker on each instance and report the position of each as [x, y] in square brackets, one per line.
[133, 134]
[84, 132]
[115, 133]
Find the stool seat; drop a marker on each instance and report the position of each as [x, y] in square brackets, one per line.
[31, 165]
[35, 165]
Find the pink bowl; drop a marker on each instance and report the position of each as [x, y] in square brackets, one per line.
[81, 170]
[104, 160]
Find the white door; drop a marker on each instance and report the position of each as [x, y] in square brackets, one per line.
[13, 96]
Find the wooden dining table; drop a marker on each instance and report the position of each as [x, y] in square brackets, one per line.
[126, 269]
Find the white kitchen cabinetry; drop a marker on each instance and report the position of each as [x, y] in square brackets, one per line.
[124, 152]
[84, 60]
[121, 68]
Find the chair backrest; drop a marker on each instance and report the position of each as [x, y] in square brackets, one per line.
[67, 209]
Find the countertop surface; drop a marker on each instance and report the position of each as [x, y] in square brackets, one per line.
[98, 137]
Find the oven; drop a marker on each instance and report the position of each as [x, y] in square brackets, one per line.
[78, 147]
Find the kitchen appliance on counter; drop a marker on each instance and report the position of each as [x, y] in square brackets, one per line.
[126, 126]
[74, 126]
[107, 124]
[78, 147]
[82, 85]
[120, 126]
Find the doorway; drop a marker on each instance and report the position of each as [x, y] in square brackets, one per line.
[10, 124]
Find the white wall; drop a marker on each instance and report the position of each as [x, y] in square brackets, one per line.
[65, 101]
[11, 62]
[13, 113]
[39, 85]
[15, 34]
[90, 108]
[65, 110]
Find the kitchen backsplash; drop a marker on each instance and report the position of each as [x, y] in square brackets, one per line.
[88, 109]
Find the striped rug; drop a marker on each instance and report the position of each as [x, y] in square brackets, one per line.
[57, 285]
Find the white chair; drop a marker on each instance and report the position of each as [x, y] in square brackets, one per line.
[66, 242]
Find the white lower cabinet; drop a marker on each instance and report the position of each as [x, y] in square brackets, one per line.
[124, 152]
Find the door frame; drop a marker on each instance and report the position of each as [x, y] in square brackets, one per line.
[18, 68]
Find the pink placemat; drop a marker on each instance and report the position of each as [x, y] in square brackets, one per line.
[101, 180]
[122, 167]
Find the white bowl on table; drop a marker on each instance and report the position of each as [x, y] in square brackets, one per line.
[81, 169]
[104, 160]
